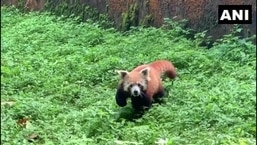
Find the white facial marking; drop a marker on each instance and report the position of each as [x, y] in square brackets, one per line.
[135, 90]
[126, 86]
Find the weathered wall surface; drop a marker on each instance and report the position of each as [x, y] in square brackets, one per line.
[9, 2]
[201, 14]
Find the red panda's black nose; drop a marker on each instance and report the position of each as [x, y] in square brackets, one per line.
[136, 92]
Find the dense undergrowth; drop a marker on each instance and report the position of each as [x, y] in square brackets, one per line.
[61, 76]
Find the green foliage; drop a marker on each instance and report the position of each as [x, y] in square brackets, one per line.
[178, 27]
[201, 38]
[130, 18]
[61, 75]
[234, 48]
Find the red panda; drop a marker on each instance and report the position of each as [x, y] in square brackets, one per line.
[143, 84]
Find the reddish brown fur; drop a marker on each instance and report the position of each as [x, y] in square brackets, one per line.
[157, 68]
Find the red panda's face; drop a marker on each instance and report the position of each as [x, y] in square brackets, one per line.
[135, 88]
[134, 82]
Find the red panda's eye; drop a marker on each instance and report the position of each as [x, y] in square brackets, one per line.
[139, 85]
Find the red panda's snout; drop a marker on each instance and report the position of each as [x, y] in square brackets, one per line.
[135, 91]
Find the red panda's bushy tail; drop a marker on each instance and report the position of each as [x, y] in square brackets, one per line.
[164, 66]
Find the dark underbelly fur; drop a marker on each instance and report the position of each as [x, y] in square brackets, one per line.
[140, 103]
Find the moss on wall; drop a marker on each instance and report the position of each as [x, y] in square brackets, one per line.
[147, 21]
[130, 18]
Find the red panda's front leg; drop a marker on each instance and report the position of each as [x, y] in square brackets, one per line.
[121, 97]
[148, 102]
[138, 103]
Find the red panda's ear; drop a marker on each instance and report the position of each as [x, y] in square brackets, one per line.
[122, 73]
[145, 72]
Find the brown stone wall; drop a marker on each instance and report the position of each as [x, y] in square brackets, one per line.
[201, 14]
[35, 5]
[9, 2]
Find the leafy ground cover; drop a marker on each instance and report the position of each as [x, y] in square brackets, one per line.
[58, 83]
